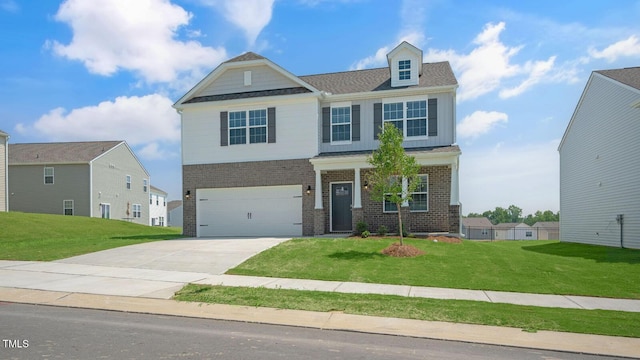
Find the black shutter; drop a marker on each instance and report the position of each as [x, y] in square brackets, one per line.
[224, 128]
[355, 123]
[377, 120]
[433, 117]
[326, 124]
[271, 125]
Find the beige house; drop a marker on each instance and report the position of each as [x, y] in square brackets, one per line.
[4, 185]
[96, 179]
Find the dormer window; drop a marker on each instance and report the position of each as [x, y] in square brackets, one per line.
[404, 70]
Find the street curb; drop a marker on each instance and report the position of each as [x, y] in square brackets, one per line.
[492, 335]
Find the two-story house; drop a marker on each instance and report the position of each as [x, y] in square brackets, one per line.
[4, 184]
[157, 207]
[96, 179]
[266, 152]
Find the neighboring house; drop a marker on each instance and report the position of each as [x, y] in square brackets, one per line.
[547, 230]
[4, 170]
[157, 207]
[514, 231]
[174, 213]
[479, 228]
[266, 152]
[97, 179]
[600, 163]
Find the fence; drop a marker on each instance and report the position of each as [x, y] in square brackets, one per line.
[510, 233]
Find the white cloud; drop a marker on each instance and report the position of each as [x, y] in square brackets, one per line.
[479, 123]
[537, 70]
[152, 151]
[9, 6]
[249, 15]
[629, 47]
[526, 176]
[141, 121]
[138, 36]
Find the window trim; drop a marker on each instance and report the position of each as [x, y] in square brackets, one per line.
[105, 206]
[127, 182]
[405, 118]
[404, 71]
[247, 126]
[139, 212]
[52, 175]
[65, 208]
[341, 105]
[144, 185]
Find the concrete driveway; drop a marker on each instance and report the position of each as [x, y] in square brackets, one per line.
[211, 256]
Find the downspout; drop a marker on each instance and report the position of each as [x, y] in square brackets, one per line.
[620, 220]
[6, 173]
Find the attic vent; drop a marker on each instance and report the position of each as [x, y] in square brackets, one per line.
[247, 78]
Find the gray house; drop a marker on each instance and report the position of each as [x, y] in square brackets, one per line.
[97, 179]
[266, 152]
[174, 213]
[547, 230]
[477, 228]
[4, 184]
[600, 163]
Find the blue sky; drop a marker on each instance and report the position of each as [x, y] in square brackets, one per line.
[81, 70]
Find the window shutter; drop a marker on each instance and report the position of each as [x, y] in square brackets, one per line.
[326, 124]
[224, 128]
[355, 123]
[433, 117]
[271, 125]
[377, 120]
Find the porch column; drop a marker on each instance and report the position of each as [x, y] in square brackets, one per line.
[357, 191]
[455, 194]
[318, 192]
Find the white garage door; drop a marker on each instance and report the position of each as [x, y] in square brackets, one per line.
[250, 211]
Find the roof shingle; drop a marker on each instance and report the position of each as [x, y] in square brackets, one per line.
[58, 153]
[628, 76]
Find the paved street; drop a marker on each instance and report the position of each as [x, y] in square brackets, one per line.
[35, 331]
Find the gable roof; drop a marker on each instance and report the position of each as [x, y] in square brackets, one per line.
[510, 225]
[2, 133]
[628, 76]
[173, 204]
[157, 190]
[476, 222]
[58, 153]
[554, 225]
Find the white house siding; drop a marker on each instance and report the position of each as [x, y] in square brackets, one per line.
[231, 81]
[158, 208]
[445, 137]
[108, 173]
[295, 135]
[600, 167]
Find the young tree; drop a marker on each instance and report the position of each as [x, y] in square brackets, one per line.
[395, 174]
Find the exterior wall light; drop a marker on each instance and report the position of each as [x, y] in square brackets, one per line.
[187, 195]
[309, 189]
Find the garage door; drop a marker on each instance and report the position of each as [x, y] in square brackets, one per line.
[250, 211]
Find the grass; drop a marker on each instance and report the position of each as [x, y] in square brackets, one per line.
[528, 318]
[544, 267]
[42, 237]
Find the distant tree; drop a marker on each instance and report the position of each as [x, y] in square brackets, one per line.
[392, 170]
[474, 215]
[514, 214]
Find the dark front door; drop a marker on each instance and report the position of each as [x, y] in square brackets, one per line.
[341, 201]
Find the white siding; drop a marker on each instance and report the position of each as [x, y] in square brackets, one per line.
[405, 54]
[296, 133]
[446, 126]
[232, 81]
[600, 167]
[158, 208]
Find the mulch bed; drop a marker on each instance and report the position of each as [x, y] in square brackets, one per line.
[397, 250]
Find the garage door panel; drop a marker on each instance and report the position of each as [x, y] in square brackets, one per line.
[253, 211]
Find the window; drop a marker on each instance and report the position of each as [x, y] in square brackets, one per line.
[529, 234]
[404, 70]
[256, 127]
[128, 182]
[409, 117]
[67, 206]
[137, 210]
[150, 200]
[48, 175]
[419, 198]
[341, 124]
[161, 221]
[389, 206]
[105, 211]
[144, 185]
[157, 200]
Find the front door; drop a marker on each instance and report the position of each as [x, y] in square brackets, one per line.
[341, 201]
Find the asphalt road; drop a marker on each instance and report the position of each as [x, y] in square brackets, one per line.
[36, 332]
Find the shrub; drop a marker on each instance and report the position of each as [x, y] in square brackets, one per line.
[382, 230]
[361, 227]
[365, 234]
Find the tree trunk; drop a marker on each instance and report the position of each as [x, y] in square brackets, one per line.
[400, 224]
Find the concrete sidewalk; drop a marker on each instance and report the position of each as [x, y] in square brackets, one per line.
[144, 277]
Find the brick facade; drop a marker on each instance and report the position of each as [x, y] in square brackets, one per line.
[246, 174]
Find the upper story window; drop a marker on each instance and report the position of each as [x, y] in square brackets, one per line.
[404, 70]
[409, 117]
[256, 127]
[48, 175]
[128, 182]
[144, 185]
[341, 124]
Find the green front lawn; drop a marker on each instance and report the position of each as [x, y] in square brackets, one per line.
[544, 267]
[42, 237]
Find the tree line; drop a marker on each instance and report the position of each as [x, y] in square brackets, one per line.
[513, 214]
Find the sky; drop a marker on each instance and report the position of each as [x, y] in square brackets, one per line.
[86, 70]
